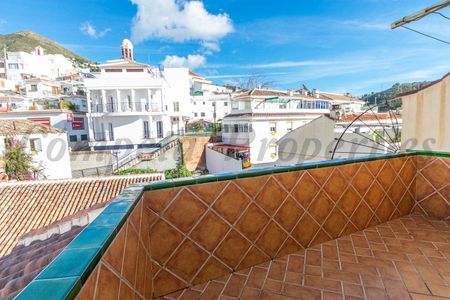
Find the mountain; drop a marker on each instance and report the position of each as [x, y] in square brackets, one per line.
[391, 93]
[27, 40]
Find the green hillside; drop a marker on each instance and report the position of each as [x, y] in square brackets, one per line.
[27, 40]
[392, 92]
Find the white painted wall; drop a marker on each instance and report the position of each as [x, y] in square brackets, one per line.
[52, 158]
[218, 163]
[310, 142]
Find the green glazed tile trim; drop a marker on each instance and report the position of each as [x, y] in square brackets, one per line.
[430, 153]
[51, 289]
[70, 263]
[92, 237]
[158, 185]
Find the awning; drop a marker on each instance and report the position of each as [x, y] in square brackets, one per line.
[231, 147]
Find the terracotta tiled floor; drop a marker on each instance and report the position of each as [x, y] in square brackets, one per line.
[407, 258]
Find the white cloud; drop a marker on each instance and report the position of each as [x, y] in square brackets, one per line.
[191, 61]
[179, 21]
[88, 29]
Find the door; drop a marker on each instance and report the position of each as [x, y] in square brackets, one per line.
[159, 129]
[146, 130]
[111, 132]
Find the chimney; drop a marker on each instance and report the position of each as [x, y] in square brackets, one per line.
[290, 93]
[316, 93]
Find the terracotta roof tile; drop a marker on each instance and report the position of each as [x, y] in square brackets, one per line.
[369, 117]
[26, 206]
[19, 127]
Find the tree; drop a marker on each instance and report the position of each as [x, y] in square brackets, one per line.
[18, 162]
[255, 81]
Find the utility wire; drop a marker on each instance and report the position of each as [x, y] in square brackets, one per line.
[427, 35]
[442, 15]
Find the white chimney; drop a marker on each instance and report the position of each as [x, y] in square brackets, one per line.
[316, 93]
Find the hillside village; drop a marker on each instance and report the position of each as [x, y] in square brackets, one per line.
[127, 116]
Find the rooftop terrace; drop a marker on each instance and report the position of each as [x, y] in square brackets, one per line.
[374, 228]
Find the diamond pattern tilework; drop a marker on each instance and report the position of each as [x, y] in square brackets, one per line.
[432, 186]
[371, 264]
[202, 232]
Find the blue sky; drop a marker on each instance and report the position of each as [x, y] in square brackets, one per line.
[334, 45]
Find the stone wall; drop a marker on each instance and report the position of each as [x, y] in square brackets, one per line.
[194, 151]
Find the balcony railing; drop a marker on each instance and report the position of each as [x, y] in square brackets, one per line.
[126, 107]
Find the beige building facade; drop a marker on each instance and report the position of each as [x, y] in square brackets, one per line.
[426, 117]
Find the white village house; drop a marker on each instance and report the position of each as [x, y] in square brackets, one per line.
[210, 102]
[47, 146]
[38, 64]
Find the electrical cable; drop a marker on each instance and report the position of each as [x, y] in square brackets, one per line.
[442, 15]
[427, 35]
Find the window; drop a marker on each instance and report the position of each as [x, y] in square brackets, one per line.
[35, 145]
[273, 127]
[236, 128]
[111, 131]
[113, 70]
[195, 114]
[146, 130]
[13, 66]
[33, 88]
[226, 128]
[176, 106]
[204, 103]
[159, 129]
[225, 104]
[202, 114]
[84, 137]
[129, 102]
[289, 126]
[195, 102]
[248, 105]
[273, 150]
[73, 138]
[213, 104]
[283, 106]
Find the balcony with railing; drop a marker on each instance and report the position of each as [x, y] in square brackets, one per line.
[126, 107]
[367, 228]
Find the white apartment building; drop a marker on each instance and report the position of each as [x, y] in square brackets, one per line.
[259, 118]
[46, 145]
[209, 102]
[134, 106]
[37, 64]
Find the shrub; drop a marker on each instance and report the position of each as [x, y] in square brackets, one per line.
[18, 161]
[179, 172]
